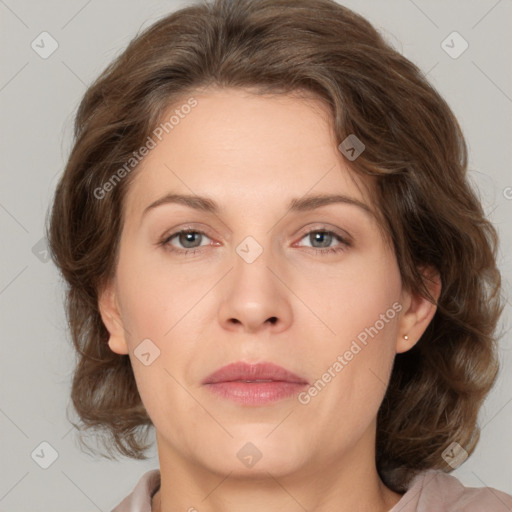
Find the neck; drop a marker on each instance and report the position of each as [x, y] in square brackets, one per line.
[341, 483]
[384, 500]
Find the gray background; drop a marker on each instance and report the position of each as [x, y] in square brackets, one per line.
[38, 98]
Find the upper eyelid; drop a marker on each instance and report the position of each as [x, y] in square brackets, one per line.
[344, 238]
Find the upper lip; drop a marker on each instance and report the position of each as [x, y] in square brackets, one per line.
[241, 371]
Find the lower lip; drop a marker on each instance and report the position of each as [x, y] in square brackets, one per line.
[255, 393]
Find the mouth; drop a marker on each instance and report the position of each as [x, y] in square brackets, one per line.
[254, 384]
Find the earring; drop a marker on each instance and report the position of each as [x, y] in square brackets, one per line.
[406, 337]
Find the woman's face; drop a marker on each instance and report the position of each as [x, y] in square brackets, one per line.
[250, 284]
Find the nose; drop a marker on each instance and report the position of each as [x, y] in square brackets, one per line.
[255, 297]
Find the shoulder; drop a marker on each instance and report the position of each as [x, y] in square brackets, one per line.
[434, 490]
[139, 500]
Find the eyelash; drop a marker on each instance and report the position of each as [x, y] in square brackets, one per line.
[166, 242]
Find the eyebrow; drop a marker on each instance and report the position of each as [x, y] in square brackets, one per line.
[302, 204]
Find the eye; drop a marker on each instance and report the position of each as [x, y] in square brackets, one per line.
[188, 238]
[325, 238]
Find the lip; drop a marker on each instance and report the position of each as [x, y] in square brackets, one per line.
[254, 384]
[259, 371]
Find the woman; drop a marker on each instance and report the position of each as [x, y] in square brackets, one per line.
[209, 160]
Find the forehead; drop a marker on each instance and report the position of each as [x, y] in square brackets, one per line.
[246, 149]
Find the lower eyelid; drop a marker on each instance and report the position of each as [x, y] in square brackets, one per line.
[166, 241]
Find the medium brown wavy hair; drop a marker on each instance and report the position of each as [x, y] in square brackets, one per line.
[414, 150]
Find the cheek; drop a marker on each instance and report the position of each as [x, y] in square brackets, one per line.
[353, 369]
[153, 298]
[157, 306]
[361, 294]
[362, 308]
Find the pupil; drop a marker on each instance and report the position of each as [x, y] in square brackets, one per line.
[187, 237]
[323, 235]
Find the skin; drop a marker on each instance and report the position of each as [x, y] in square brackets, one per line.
[252, 155]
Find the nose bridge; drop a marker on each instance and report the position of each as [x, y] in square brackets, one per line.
[253, 293]
[250, 249]
[254, 249]
[252, 277]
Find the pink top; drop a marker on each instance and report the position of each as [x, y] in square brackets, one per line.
[430, 491]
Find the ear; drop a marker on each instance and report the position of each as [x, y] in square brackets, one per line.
[418, 311]
[111, 316]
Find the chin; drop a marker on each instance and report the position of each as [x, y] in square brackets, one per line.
[253, 452]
